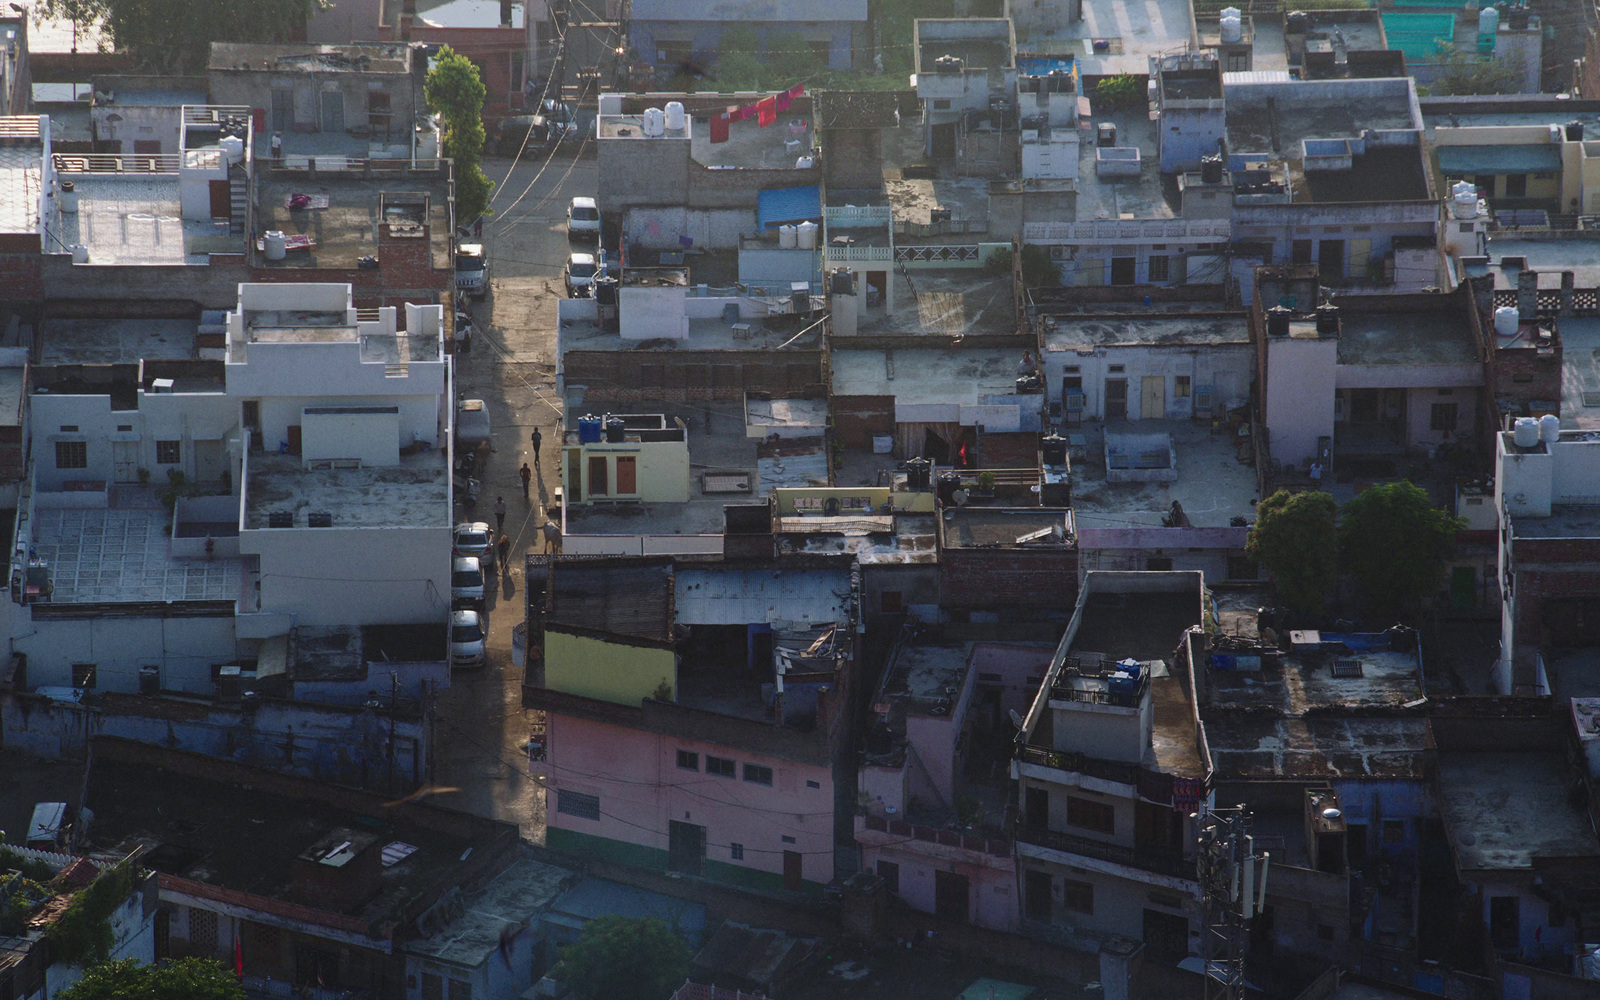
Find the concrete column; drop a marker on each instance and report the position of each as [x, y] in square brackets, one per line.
[1527, 295]
[1568, 280]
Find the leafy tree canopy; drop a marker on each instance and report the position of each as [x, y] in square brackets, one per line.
[1394, 541]
[1461, 73]
[186, 979]
[455, 89]
[625, 958]
[175, 35]
[1294, 537]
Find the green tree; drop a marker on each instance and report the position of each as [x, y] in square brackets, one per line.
[1394, 541]
[186, 979]
[739, 60]
[1459, 73]
[625, 958]
[456, 91]
[175, 35]
[1295, 538]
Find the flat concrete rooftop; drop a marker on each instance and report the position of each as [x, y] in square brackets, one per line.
[1337, 748]
[413, 494]
[1106, 325]
[946, 302]
[1151, 195]
[1580, 374]
[1405, 338]
[1212, 485]
[775, 147]
[123, 555]
[1565, 521]
[1135, 30]
[1275, 118]
[925, 375]
[137, 219]
[116, 341]
[21, 173]
[1502, 810]
[347, 229]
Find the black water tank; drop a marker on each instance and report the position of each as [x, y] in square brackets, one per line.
[1054, 447]
[919, 474]
[1574, 131]
[1327, 319]
[319, 519]
[842, 282]
[948, 484]
[616, 430]
[1211, 169]
[1517, 18]
[1297, 22]
[1278, 321]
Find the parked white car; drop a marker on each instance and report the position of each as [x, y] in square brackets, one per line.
[467, 636]
[472, 538]
[473, 427]
[466, 582]
[583, 219]
[581, 270]
[472, 270]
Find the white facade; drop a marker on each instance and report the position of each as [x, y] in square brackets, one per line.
[1162, 382]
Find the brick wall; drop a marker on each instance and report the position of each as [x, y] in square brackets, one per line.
[1555, 570]
[857, 418]
[22, 275]
[1009, 451]
[626, 377]
[1000, 578]
[855, 158]
[1524, 375]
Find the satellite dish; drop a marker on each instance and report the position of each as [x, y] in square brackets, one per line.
[1332, 812]
[1016, 720]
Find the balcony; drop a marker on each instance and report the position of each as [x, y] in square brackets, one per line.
[1162, 862]
[1155, 786]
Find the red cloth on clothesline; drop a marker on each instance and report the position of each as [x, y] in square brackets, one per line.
[797, 90]
[719, 128]
[767, 111]
[783, 101]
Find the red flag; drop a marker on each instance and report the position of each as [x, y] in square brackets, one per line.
[238, 957]
[767, 111]
[719, 128]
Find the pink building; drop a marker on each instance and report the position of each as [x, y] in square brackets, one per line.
[694, 713]
[933, 788]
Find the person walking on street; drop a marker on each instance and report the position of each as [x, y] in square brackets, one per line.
[552, 537]
[527, 479]
[537, 440]
[503, 547]
[499, 513]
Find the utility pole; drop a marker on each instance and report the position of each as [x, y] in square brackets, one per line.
[394, 684]
[1233, 880]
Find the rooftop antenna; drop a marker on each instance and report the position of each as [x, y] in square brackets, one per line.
[1233, 880]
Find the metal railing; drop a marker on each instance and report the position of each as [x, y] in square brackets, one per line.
[113, 163]
[1164, 862]
[1210, 230]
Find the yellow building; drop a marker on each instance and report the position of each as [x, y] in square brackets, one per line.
[626, 457]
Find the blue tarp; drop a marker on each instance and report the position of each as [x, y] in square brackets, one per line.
[1499, 159]
[781, 206]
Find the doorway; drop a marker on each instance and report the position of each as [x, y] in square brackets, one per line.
[332, 111]
[1116, 399]
[1153, 402]
[597, 476]
[1330, 258]
[877, 289]
[282, 110]
[221, 200]
[793, 870]
[1036, 888]
[951, 894]
[1123, 270]
[942, 141]
[627, 475]
[686, 844]
[125, 461]
[1038, 810]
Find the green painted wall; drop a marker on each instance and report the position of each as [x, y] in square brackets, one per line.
[558, 839]
[607, 671]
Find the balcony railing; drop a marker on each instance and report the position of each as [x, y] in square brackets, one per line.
[936, 835]
[1159, 787]
[1163, 862]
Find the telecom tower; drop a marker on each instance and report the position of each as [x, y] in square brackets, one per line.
[1233, 878]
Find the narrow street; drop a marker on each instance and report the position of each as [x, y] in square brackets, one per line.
[481, 724]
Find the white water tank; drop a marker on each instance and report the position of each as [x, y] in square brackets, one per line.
[1488, 22]
[786, 238]
[675, 116]
[806, 233]
[654, 123]
[1549, 428]
[232, 149]
[80, 253]
[1232, 24]
[275, 244]
[1525, 432]
[69, 197]
[1464, 200]
[1506, 322]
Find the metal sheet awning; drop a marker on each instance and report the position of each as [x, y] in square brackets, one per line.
[1499, 159]
[782, 206]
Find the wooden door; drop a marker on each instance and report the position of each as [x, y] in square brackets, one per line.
[598, 486]
[1116, 399]
[792, 870]
[221, 200]
[951, 894]
[294, 439]
[1124, 270]
[686, 845]
[1153, 402]
[627, 475]
[125, 461]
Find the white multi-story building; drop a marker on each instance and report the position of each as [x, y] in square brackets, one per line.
[183, 515]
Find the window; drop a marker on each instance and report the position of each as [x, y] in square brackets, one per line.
[736, 851]
[1077, 896]
[202, 931]
[1516, 185]
[1158, 268]
[1466, 227]
[69, 428]
[1086, 814]
[757, 774]
[72, 454]
[577, 804]
[721, 766]
[1243, 568]
[1443, 417]
[1181, 386]
[813, 784]
[169, 452]
[1115, 369]
[1158, 564]
[688, 761]
[83, 675]
[1394, 831]
[1072, 369]
[124, 428]
[941, 104]
[1300, 252]
[787, 839]
[890, 873]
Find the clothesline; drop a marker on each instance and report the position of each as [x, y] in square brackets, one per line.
[764, 111]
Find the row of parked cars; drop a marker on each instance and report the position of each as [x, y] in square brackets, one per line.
[472, 553]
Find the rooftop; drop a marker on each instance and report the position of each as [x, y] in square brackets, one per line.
[623, 597]
[1085, 326]
[123, 555]
[750, 10]
[1213, 485]
[412, 494]
[1150, 195]
[979, 42]
[925, 375]
[1028, 529]
[1276, 116]
[704, 335]
[869, 109]
[1331, 748]
[512, 898]
[243, 829]
[1323, 671]
[923, 678]
[750, 146]
[1132, 34]
[137, 218]
[1503, 810]
[911, 543]
[21, 174]
[1422, 335]
[1565, 521]
[347, 229]
[1580, 373]
[115, 341]
[733, 596]
[370, 57]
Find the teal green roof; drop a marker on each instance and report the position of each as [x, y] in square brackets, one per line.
[1419, 35]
